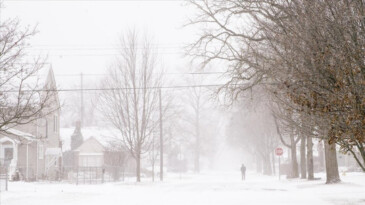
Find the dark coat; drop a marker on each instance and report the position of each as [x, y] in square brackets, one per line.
[243, 169]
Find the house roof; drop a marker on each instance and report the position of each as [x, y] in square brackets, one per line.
[38, 81]
[91, 145]
[44, 79]
[105, 136]
[18, 133]
[41, 79]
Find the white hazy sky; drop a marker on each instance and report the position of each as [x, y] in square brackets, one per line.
[79, 36]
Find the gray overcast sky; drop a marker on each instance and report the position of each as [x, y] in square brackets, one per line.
[79, 36]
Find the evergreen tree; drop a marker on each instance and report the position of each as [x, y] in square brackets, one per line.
[76, 138]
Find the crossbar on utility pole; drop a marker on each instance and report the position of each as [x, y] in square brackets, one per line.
[161, 139]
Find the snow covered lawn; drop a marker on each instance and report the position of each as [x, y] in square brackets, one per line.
[207, 189]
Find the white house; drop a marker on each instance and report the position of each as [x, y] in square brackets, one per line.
[34, 148]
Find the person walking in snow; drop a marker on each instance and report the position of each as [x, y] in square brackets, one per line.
[243, 172]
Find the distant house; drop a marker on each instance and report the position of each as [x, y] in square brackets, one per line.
[33, 150]
[91, 153]
[101, 150]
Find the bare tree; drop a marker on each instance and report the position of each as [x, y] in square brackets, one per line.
[197, 99]
[299, 127]
[131, 103]
[24, 95]
[253, 128]
[309, 51]
[116, 158]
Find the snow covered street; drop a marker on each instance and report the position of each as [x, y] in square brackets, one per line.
[209, 189]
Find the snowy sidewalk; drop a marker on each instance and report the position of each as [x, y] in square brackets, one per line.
[205, 189]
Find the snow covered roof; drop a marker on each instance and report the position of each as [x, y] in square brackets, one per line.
[90, 145]
[35, 81]
[104, 135]
[21, 134]
[11, 84]
[40, 78]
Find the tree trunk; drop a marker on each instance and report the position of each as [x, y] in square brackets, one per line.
[266, 164]
[294, 161]
[153, 170]
[258, 164]
[197, 156]
[273, 163]
[321, 156]
[138, 167]
[197, 143]
[310, 158]
[303, 163]
[331, 163]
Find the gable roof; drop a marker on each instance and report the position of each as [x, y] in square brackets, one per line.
[39, 81]
[46, 80]
[50, 78]
[42, 79]
[18, 134]
[91, 145]
[105, 136]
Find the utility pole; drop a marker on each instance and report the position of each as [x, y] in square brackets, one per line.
[197, 145]
[82, 100]
[153, 157]
[161, 139]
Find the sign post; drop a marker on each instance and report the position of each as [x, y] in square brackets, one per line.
[279, 151]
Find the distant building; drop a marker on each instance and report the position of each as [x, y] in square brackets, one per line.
[34, 150]
[101, 151]
[91, 153]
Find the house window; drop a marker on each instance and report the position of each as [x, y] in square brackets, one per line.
[8, 153]
[40, 151]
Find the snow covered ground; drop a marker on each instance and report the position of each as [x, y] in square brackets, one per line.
[205, 189]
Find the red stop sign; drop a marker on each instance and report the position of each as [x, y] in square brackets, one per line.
[279, 151]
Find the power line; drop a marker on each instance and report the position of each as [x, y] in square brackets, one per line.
[93, 48]
[123, 88]
[96, 0]
[104, 74]
[105, 50]
[106, 54]
[101, 45]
